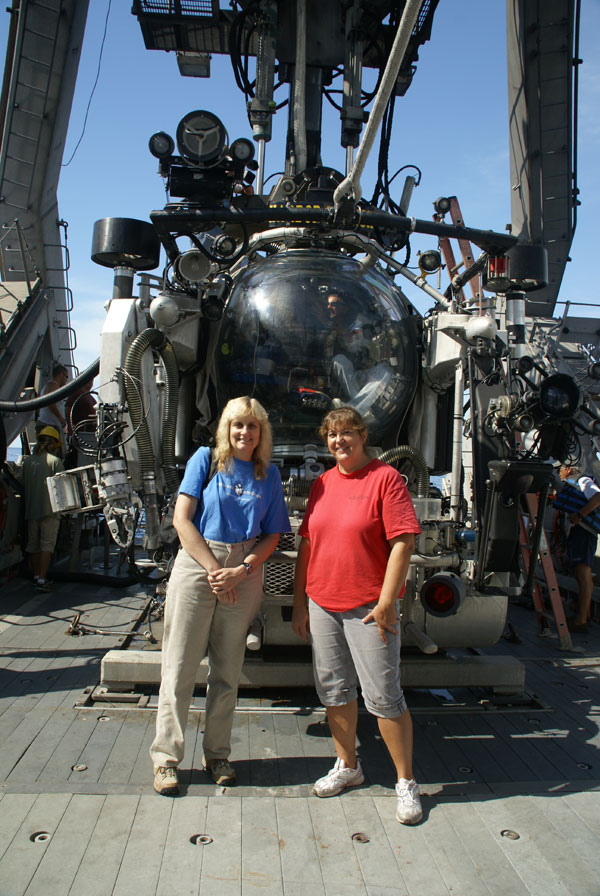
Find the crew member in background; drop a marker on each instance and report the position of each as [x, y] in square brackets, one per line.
[42, 523]
[54, 414]
[581, 545]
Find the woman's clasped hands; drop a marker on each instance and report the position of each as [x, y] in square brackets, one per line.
[223, 581]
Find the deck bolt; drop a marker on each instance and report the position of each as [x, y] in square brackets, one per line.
[360, 837]
[40, 837]
[201, 840]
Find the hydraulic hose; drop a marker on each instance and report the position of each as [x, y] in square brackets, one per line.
[167, 354]
[151, 338]
[406, 452]
[43, 401]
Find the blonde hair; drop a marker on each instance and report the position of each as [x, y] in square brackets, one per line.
[340, 419]
[237, 409]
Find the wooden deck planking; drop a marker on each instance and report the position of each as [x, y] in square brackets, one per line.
[585, 843]
[526, 854]
[293, 767]
[261, 865]
[19, 863]
[310, 839]
[101, 861]
[429, 758]
[565, 699]
[240, 746]
[58, 768]
[512, 735]
[454, 863]
[262, 747]
[192, 774]
[62, 859]
[377, 859]
[299, 855]
[466, 749]
[340, 867]
[413, 850]
[104, 731]
[557, 821]
[141, 771]
[181, 868]
[497, 729]
[121, 760]
[374, 757]
[13, 810]
[41, 748]
[492, 866]
[587, 806]
[315, 743]
[222, 859]
[142, 860]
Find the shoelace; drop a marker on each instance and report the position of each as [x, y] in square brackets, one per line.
[407, 794]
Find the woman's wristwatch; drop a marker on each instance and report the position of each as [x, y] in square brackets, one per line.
[249, 568]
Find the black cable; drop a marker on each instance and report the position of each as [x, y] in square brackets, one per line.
[87, 111]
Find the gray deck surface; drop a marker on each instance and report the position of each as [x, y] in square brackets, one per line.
[78, 814]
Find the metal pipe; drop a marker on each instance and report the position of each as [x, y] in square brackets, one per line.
[169, 220]
[300, 146]
[123, 282]
[351, 184]
[260, 173]
[457, 427]
[423, 641]
[447, 560]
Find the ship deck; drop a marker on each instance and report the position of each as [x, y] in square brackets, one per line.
[510, 786]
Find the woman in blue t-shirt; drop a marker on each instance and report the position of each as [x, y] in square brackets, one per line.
[215, 588]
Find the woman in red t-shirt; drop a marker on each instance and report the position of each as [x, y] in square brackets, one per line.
[358, 535]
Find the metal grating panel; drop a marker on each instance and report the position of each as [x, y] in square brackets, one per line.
[208, 8]
[287, 542]
[278, 579]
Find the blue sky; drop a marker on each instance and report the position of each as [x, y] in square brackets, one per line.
[452, 124]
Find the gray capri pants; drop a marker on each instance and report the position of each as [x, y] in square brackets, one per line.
[347, 652]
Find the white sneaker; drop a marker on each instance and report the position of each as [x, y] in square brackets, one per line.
[338, 778]
[254, 636]
[408, 806]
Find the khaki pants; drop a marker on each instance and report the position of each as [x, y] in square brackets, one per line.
[197, 625]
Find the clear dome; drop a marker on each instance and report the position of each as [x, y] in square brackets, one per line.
[305, 331]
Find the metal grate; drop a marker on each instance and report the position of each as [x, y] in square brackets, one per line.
[287, 542]
[278, 579]
[208, 8]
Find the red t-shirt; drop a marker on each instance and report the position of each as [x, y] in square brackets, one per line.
[349, 521]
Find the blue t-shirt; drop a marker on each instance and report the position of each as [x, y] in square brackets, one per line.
[235, 506]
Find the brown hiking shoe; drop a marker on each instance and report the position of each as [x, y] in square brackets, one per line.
[166, 781]
[222, 772]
